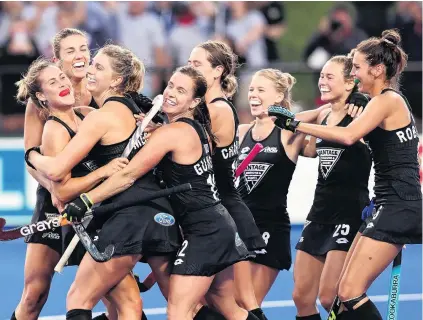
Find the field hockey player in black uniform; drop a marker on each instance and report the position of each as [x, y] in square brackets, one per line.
[52, 93]
[388, 127]
[211, 241]
[104, 133]
[264, 184]
[340, 196]
[217, 62]
[72, 55]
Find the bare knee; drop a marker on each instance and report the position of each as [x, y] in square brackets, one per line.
[131, 308]
[302, 297]
[349, 290]
[326, 297]
[35, 295]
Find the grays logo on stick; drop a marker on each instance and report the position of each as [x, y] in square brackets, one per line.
[328, 157]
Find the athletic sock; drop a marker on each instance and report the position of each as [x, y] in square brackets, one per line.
[101, 317]
[206, 313]
[144, 317]
[367, 311]
[259, 313]
[13, 316]
[251, 316]
[312, 317]
[79, 314]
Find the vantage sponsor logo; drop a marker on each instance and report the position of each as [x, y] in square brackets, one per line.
[328, 157]
[39, 227]
[254, 173]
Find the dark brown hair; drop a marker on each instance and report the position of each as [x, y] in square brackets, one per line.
[386, 50]
[220, 54]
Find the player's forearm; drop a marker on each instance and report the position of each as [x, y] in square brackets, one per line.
[73, 187]
[40, 178]
[117, 183]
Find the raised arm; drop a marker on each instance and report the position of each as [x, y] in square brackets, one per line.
[92, 129]
[373, 115]
[33, 131]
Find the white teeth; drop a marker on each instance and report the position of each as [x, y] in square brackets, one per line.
[79, 64]
[90, 79]
[255, 103]
[324, 90]
[170, 102]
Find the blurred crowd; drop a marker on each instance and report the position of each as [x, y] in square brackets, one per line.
[163, 33]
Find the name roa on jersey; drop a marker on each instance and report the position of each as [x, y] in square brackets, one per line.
[407, 134]
[205, 165]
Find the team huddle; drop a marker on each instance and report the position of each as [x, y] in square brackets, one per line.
[176, 193]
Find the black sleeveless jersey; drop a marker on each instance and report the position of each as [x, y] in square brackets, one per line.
[88, 164]
[105, 153]
[224, 161]
[342, 186]
[200, 175]
[93, 104]
[264, 183]
[395, 156]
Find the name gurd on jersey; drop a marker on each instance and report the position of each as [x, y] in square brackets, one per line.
[204, 165]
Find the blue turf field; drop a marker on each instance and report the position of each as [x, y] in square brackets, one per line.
[278, 304]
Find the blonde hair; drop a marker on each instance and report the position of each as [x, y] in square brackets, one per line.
[63, 34]
[346, 62]
[29, 85]
[127, 65]
[283, 82]
[220, 54]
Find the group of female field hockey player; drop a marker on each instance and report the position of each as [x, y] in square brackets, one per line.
[216, 248]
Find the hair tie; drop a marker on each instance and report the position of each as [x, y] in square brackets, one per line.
[389, 42]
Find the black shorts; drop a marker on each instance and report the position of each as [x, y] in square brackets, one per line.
[147, 229]
[395, 221]
[318, 239]
[58, 238]
[244, 220]
[277, 253]
[211, 243]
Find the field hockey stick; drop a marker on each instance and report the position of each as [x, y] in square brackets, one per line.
[89, 245]
[239, 170]
[244, 164]
[394, 288]
[333, 313]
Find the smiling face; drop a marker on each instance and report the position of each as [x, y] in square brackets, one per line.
[178, 97]
[362, 71]
[262, 94]
[100, 75]
[56, 88]
[74, 56]
[332, 84]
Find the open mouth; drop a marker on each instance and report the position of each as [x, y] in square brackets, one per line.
[79, 65]
[255, 103]
[64, 93]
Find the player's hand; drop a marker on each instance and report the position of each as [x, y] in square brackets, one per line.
[75, 210]
[368, 211]
[285, 119]
[114, 166]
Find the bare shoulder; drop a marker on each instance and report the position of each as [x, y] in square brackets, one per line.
[243, 129]
[85, 110]
[220, 109]
[323, 114]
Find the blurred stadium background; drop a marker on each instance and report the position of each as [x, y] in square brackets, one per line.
[293, 36]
